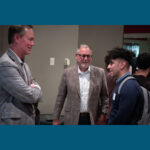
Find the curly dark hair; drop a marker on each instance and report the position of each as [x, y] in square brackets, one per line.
[119, 53]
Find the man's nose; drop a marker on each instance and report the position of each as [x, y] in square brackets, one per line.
[108, 67]
[85, 57]
[32, 43]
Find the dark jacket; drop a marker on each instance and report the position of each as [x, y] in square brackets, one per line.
[126, 107]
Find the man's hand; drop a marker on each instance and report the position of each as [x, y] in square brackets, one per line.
[32, 85]
[56, 122]
[102, 120]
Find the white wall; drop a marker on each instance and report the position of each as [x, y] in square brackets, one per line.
[3, 38]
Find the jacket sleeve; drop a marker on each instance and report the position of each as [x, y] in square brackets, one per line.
[61, 96]
[14, 84]
[104, 94]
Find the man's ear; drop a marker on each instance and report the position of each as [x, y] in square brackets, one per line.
[76, 56]
[123, 64]
[16, 37]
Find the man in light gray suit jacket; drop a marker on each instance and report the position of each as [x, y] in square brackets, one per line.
[18, 91]
[85, 88]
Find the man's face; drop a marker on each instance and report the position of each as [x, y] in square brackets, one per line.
[26, 42]
[114, 68]
[84, 58]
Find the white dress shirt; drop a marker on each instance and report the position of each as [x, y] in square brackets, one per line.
[84, 81]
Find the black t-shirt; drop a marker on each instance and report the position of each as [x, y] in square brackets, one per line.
[143, 81]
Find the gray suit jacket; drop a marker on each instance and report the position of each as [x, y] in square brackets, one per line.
[69, 87]
[16, 95]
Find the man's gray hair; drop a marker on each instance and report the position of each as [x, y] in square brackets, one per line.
[83, 45]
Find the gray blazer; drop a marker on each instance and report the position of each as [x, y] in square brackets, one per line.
[69, 87]
[16, 95]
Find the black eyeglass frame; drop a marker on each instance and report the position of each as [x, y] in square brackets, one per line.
[83, 56]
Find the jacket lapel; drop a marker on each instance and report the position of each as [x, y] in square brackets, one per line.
[92, 81]
[27, 70]
[13, 57]
[76, 80]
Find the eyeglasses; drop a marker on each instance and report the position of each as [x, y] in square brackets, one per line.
[83, 56]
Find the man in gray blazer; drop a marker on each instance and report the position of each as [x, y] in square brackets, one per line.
[85, 88]
[18, 91]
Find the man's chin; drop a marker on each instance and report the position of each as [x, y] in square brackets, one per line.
[29, 52]
[111, 74]
[84, 66]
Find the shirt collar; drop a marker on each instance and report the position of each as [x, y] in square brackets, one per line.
[122, 77]
[20, 61]
[86, 72]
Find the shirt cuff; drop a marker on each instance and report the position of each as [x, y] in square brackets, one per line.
[37, 86]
